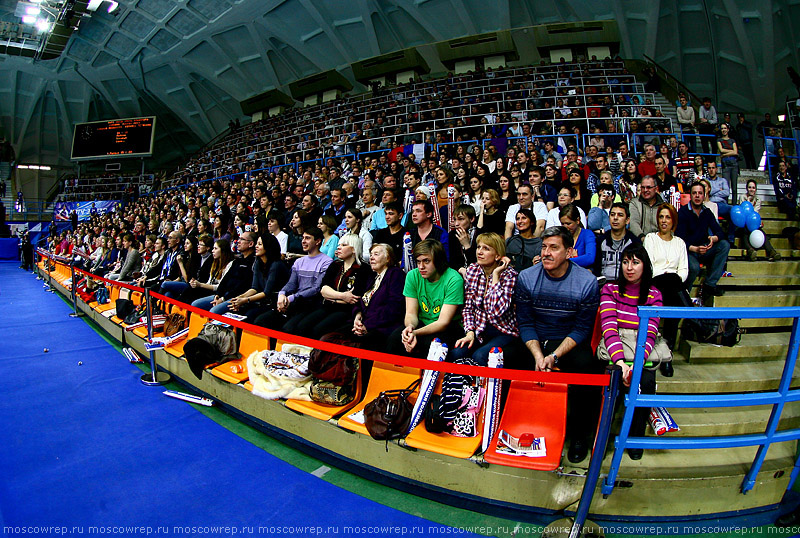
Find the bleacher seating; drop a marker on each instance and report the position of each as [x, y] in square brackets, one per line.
[435, 108]
[436, 111]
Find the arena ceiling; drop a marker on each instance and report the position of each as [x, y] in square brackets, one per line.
[191, 62]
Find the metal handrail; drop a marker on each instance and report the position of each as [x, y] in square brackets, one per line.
[268, 144]
[422, 134]
[777, 398]
[674, 79]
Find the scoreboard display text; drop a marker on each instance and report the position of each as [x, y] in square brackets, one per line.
[131, 137]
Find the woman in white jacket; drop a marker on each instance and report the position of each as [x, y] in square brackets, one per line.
[670, 269]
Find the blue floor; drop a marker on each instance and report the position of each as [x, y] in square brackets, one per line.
[85, 445]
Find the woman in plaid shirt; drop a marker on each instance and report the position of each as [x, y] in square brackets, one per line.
[488, 316]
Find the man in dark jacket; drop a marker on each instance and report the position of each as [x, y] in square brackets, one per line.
[694, 223]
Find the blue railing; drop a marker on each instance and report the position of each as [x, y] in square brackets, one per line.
[689, 138]
[771, 151]
[34, 210]
[777, 398]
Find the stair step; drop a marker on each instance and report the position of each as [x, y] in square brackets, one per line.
[704, 378]
[765, 323]
[732, 420]
[771, 212]
[741, 268]
[751, 348]
[775, 227]
[768, 281]
[762, 299]
[785, 253]
[701, 464]
[779, 242]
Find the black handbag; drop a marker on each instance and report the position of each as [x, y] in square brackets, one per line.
[123, 307]
[388, 416]
[136, 315]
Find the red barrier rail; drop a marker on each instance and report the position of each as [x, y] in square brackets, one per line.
[110, 282]
[596, 380]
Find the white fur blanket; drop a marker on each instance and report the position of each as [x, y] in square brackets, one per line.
[280, 374]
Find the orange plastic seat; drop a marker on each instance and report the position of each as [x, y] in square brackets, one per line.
[235, 371]
[444, 443]
[196, 322]
[62, 273]
[383, 377]
[65, 272]
[518, 419]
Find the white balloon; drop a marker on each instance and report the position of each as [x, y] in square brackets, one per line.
[757, 239]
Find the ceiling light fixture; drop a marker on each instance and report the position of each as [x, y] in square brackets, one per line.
[94, 5]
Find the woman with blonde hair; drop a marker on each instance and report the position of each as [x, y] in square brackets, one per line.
[488, 316]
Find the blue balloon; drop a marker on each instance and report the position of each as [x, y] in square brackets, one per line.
[738, 216]
[753, 221]
[747, 207]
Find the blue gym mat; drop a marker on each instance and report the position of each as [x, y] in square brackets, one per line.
[87, 449]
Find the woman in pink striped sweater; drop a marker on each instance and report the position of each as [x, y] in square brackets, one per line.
[620, 323]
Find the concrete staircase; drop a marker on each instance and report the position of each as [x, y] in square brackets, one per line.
[8, 199]
[753, 365]
[668, 109]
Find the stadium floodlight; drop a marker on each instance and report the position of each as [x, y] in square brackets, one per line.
[32, 10]
[43, 25]
[29, 19]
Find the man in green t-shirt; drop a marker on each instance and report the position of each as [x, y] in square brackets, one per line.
[434, 292]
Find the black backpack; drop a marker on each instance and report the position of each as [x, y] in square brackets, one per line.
[722, 332]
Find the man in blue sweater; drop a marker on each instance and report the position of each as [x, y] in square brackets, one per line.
[556, 303]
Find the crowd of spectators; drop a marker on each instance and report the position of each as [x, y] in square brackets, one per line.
[477, 247]
[105, 187]
[564, 102]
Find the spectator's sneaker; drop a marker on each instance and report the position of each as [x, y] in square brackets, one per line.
[727, 274]
[752, 255]
[601, 281]
[775, 257]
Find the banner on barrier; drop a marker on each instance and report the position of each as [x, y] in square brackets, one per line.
[63, 210]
